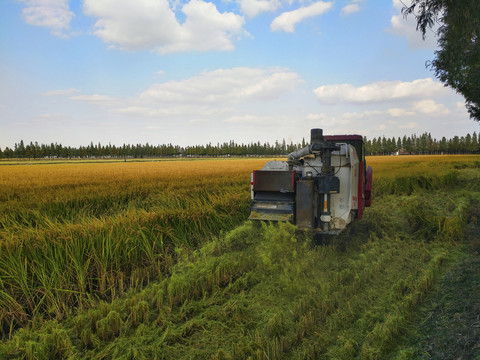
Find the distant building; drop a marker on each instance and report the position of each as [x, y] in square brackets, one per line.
[403, 152]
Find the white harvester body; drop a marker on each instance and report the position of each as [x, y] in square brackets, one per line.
[322, 187]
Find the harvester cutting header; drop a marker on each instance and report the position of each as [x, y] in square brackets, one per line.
[321, 187]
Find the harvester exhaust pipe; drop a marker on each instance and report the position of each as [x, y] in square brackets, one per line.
[316, 138]
[293, 156]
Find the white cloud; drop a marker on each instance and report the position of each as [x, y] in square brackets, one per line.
[54, 14]
[53, 116]
[407, 27]
[400, 112]
[350, 9]
[317, 117]
[423, 115]
[345, 123]
[61, 92]
[152, 25]
[419, 105]
[378, 91]
[52, 119]
[252, 8]
[251, 119]
[152, 111]
[207, 94]
[205, 29]
[430, 107]
[133, 25]
[225, 86]
[96, 99]
[287, 20]
[409, 125]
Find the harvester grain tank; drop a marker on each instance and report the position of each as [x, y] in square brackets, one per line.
[322, 187]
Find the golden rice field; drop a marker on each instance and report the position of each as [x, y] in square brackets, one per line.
[73, 232]
[155, 260]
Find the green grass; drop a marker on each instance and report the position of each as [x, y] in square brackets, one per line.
[263, 291]
[136, 290]
[446, 325]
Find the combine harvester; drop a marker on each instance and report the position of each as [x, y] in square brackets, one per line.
[322, 187]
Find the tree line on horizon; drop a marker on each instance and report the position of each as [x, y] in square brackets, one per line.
[423, 144]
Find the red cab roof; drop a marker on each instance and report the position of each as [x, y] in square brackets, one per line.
[342, 137]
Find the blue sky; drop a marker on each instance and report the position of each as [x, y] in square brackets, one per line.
[193, 72]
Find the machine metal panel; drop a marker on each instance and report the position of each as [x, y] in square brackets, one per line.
[279, 181]
[328, 184]
[304, 200]
[272, 211]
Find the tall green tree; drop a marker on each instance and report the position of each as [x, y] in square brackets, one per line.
[474, 147]
[20, 149]
[443, 145]
[457, 61]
